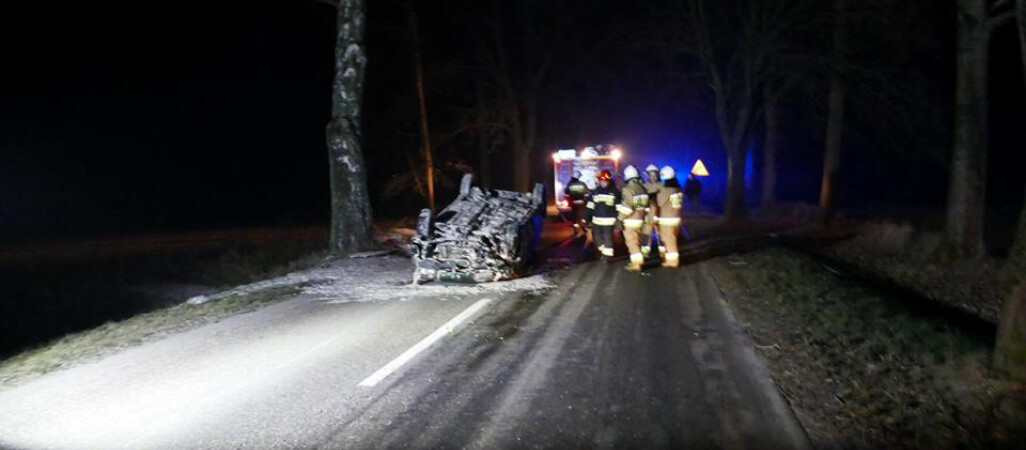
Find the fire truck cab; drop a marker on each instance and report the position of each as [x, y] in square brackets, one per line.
[589, 161]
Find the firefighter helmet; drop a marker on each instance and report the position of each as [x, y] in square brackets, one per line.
[667, 172]
[630, 172]
[652, 168]
[605, 175]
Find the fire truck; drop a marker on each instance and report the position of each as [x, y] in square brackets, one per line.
[588, 163]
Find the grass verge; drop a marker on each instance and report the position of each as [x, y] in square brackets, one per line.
[860, 370]
[91, 345]
[45, 299]
[910, 258]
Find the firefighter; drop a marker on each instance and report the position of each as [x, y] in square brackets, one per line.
[601, 209]
[652, 186]
[633, 201]
[577, 196]
[669, 202]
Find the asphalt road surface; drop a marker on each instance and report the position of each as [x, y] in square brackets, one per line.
[608, 359]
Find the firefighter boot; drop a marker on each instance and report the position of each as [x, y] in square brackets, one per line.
[672, 260]
[637, 260]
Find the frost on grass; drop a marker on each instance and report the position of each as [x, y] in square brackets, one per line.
[908, 257]
[862, 371]
[375, 279]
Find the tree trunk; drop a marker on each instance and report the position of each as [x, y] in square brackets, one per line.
[1020, 14]
[524, 145]
[966, 195]
[835, 120]
[1014, 270]
[485, 170]
[1010, 350]
[1015, 265]
[521, 168]
[769, 151]
[832, 153]
[425, 135]
[351, 217]
[484, 140]
[736, 183]
[734, 132]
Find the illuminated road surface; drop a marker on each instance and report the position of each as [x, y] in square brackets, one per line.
[607, 360]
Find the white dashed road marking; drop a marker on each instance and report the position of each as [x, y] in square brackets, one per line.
[449, 327]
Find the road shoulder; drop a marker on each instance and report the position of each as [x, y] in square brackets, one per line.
[861, 370]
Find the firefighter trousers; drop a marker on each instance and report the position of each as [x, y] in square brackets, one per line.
[632, 237]
[668, 239]
[603, 237]
[646, 237]
[577, 218]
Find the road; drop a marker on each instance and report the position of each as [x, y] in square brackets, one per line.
[608, 359]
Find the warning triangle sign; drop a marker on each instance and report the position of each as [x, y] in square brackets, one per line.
[699, 169]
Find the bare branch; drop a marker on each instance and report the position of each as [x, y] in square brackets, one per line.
[1001, 19]
[331, 3]
[999, 5]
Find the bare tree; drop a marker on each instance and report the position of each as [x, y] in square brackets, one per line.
[517, 48]
[1020, 21]
[835, 117]
[351, 217]
[966, 193]
[1016, 263]
[771, 125]
[735, 43]
[1010, 351]
[425, 135]
[792, 61]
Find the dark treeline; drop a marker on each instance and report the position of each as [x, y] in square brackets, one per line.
[626, 73]
[210, 114]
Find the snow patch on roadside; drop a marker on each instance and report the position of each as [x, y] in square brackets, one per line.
[346, 292]
[382, 279]
[292, 279]
[371, 279]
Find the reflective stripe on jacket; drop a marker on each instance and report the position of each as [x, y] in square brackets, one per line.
[669, 200]
[653, 190]
[577, 191]
[602, 205]
[634, 200]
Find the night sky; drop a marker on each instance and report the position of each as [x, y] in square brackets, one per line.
[196, 115]
[125, 118]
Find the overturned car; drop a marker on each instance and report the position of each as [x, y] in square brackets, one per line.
[483, 235]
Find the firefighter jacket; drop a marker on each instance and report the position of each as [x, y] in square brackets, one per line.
[653, 189]
[577, 192]
[602, 205]
[634, 200]
[669, 202]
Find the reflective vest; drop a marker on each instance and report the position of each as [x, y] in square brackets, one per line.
[653, 189]
[669, 201]
[634, 200]
[577, 191]
[602, 205]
